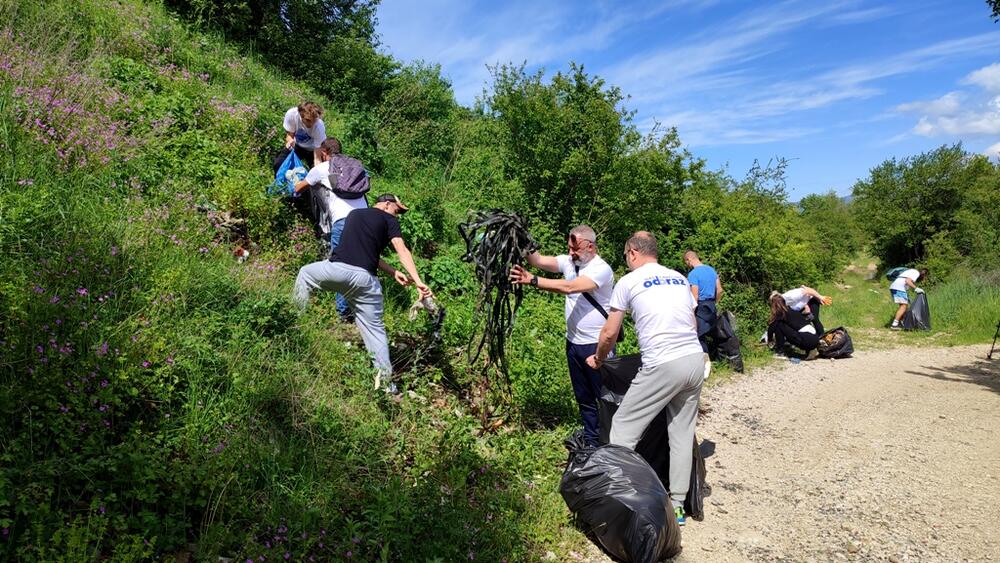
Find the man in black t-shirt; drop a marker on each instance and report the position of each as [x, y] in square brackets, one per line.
[351, 271]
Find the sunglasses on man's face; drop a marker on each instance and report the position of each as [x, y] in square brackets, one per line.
[578, 242]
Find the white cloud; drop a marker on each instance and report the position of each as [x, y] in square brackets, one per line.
[993, 151]
[862, 16]
[962, 114]
[949, 104]
[988, 78]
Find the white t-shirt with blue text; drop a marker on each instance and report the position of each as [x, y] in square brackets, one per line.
[306, 137]
[660, 302]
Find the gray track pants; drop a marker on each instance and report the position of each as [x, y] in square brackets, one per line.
[364, 294]
[675, 385]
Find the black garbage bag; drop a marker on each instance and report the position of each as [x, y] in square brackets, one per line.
[918, 316]
[654, 446]
[728, 342]
[616, 495]
[835, 343]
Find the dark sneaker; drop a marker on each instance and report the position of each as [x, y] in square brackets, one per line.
[895, 327]
[679, 513]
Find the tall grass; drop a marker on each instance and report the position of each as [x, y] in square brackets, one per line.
[964, 309]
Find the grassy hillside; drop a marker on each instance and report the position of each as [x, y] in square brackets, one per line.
[155, 392]
[158, 394]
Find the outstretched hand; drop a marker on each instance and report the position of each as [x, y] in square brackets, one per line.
[401, 278]
[826, 300]
[425, 291]
[519, 275]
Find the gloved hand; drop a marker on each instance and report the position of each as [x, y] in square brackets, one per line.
[918, 290]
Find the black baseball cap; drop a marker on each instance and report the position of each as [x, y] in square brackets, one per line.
[393, 199]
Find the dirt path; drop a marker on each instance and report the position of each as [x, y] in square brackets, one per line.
[893, 455]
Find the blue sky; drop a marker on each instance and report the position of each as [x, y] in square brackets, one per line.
[836, 87]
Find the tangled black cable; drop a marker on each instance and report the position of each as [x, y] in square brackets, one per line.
[495, 241]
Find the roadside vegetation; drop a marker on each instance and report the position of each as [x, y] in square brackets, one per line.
[157, 394]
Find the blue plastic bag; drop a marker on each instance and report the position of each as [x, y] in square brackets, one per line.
[291, 171]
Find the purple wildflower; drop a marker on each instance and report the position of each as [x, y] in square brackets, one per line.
[82, 291]
[102, 350]
[146, 364]
[288, 555]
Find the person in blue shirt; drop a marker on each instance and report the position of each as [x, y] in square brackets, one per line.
[707, 290]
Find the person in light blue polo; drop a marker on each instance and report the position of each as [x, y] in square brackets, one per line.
[707, 290]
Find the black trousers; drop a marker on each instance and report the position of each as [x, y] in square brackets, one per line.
[814, 306]
[708, 318]
[783, 333]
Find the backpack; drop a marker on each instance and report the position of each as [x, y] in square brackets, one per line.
[894, 273]
[835, 343]
[348, 178]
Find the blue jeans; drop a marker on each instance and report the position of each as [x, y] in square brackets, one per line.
[343, 309]
[586, 386]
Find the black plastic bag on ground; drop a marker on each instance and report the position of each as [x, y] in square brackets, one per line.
[616, 495]
[654, 446]
[918, 316]
[835, 343]
[728, 342]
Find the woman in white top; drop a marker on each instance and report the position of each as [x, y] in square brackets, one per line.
[304, 133]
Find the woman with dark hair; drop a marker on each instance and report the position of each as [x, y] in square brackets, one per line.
[786, 325]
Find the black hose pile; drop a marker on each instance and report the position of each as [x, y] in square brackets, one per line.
[495, 241]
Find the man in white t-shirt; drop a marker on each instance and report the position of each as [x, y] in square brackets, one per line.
[333, 209]
[906, 279]
[304, 133]
[584, 274]
[673, 364]
[807, 301]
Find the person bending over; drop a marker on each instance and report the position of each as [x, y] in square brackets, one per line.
[807, 301]
[788, 326]
[898, 289]
[329, 210]
[351, 271]
[304, 132]
[673, 365]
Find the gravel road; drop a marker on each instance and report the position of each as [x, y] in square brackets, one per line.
[893, 455]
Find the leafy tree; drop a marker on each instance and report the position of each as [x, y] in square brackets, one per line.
[559, 140]
[937, 203]
[329, 43]
[832, 219]
[995, 6]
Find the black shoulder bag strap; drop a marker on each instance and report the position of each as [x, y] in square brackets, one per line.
[593, 302]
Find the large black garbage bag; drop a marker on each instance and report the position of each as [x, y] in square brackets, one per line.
[728, 342]
[918, 316]
[835, 343]
[654, 446]
[618, 497]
